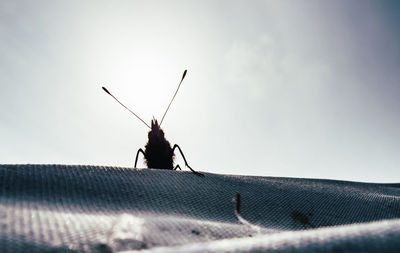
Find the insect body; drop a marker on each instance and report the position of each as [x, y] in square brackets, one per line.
[158, 152]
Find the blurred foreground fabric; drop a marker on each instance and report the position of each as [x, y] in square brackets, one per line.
[59, 208]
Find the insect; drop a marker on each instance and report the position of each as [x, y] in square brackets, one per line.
[158, 153]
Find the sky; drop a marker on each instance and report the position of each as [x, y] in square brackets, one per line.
[301, 88]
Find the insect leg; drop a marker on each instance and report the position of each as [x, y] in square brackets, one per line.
[184, 159]
[137, 155]
[177, 167]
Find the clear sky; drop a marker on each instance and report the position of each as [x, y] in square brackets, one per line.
[274, 88]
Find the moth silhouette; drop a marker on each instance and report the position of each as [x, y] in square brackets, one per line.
[158, 153]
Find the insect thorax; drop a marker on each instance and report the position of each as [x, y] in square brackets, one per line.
[158, 154]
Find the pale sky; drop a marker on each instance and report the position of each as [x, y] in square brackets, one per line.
[274, 88]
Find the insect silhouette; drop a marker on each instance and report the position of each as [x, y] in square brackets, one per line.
[158, 153]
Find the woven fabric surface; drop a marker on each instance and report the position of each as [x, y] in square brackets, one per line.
[59, 208]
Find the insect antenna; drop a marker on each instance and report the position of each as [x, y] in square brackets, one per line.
[183, 76]
[125, 106]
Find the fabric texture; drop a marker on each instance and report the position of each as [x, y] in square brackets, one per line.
[59, 208]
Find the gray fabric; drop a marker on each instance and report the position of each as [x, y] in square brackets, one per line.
[62, 208]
